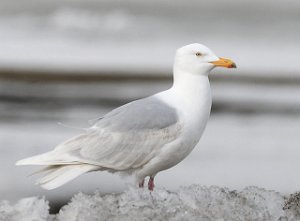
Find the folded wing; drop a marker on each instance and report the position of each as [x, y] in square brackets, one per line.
[126, 138]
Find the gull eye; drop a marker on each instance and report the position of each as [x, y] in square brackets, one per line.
[198, 54]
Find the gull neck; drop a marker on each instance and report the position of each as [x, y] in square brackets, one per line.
[189, 83]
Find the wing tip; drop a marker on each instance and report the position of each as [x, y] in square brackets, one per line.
[22, 162]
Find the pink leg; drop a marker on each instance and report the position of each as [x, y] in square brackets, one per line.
[141, 183]
[151, 183]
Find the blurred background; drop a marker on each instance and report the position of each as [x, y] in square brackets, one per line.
[71, 61]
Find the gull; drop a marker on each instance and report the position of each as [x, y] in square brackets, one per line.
[145, 136]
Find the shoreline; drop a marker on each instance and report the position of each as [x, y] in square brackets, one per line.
[85, 76]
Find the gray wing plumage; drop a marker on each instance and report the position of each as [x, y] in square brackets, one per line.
[127, 137]
[149, 113]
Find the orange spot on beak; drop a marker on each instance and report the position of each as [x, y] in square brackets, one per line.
[224, 62]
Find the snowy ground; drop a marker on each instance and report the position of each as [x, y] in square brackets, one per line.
[188, 203]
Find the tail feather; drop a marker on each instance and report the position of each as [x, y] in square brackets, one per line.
[45, 170]
[49, 158]
[57, 176]
[61, 165]
[60, 155]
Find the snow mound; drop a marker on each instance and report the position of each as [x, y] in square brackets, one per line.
[27, 209]
[292, 206]
[187, 203]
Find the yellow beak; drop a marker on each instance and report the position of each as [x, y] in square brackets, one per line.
[224, 62]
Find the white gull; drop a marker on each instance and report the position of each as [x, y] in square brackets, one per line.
[145, 136]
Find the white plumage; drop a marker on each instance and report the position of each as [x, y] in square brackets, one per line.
[145, 136]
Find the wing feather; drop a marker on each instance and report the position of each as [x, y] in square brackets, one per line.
[126, 138]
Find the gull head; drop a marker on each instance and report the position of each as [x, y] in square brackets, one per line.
[199, 59]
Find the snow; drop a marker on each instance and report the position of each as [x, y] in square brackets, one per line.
[27, 209]
[193, 202]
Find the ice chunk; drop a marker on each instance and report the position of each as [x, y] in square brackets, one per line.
[188, 203]
[27, 209]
